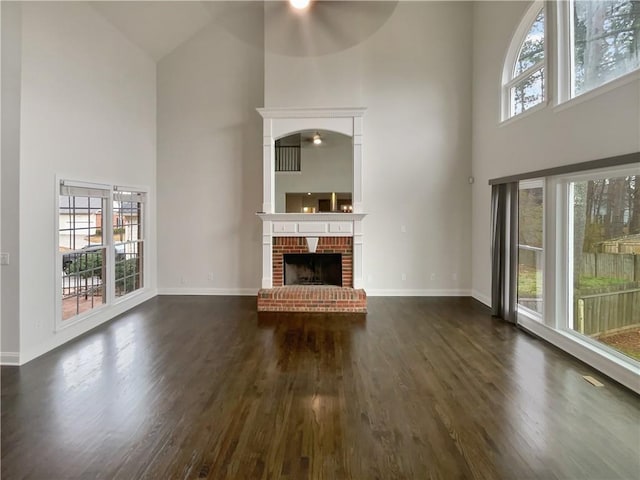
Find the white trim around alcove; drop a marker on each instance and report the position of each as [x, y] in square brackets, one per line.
[280, 122]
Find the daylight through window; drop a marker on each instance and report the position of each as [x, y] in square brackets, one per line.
[530, 246]
[597, 41]
[81, 246]
[605, 41]
[100, 247]
[524, 85]
[128, 241]
[604, 267]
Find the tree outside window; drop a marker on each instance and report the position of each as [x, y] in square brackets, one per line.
[606, 41]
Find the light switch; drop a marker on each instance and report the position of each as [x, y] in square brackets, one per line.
[4, 259]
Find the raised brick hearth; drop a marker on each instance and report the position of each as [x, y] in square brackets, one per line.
[316, 298]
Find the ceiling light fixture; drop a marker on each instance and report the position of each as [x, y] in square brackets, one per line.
[316, 139]
[299, 4]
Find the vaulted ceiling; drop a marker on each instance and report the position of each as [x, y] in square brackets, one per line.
[159, 27]
[156, 27]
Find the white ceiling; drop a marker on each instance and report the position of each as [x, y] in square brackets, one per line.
[157, 27]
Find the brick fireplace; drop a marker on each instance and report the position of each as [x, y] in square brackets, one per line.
[340, 245]
[311, 233]
[312, 298]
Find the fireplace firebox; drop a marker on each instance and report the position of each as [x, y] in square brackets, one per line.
[312, 269]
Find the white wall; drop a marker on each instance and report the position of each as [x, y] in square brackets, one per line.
[414, 76]
[10, 94]
[606, 125]
[88, 113]
[324, 168]
[210, 157]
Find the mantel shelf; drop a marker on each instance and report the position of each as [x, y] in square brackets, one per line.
[310, 217]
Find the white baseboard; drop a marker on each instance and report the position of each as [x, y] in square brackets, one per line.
[9, 358]
[611, 366]
[416, 293]
[481, 297]
[209, 291]
[371, 293]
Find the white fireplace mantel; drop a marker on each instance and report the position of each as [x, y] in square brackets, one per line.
[311, 224]
[279, 122]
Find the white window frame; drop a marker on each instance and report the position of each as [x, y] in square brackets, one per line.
[565, 85]
[522, 310]
[517, 40]
[106, 233]
[563, 275]
[143, 238]
[108, 245]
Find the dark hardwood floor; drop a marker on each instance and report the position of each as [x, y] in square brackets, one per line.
[202, 387]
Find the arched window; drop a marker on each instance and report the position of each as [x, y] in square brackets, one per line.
[524, 74]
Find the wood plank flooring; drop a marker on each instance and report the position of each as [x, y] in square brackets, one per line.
[420, 388]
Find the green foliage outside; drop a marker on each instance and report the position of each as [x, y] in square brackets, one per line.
[529, 91]
[599, 282]
[606, 40]
[90, 265]
[125, 279]
[530, 215]
[530, 282]
[86, 266]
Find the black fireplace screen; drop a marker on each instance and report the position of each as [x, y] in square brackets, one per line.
[313, 269]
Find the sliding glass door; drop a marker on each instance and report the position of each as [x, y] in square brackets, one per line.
[530, 248]
[603, 261]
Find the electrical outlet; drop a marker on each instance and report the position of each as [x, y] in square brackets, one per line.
[182, 280]
[210, 276]
[403, 228]
[454, 276]
[433, 277]
[4, 259]
[404, 276]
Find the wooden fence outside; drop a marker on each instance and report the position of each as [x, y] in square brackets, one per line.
[625, 266]
[607, 310]
[614, 308]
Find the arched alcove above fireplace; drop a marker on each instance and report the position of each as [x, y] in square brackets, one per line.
[281, 122]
